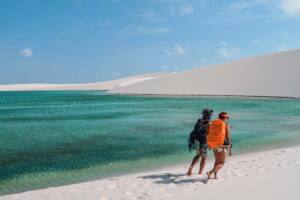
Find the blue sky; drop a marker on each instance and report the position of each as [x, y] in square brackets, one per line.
[76, 41]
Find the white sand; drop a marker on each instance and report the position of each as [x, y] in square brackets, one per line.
[269, 175]
[106, 85]
[267, 75]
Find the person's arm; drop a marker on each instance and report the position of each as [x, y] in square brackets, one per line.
[227, 135]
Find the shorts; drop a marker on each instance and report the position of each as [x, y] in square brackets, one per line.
[220, 149]
[202, 149]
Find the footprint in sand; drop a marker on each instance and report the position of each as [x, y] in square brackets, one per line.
[99, 189]
[172, 185]
[114, 179]
[161, 190]
[279, 165]
[167, 195]
[146, 185]
[128, 193]
[111, 186]
[142, 197]
[133, 185]
[104, 198]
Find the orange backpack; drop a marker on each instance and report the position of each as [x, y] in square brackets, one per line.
[216, 134]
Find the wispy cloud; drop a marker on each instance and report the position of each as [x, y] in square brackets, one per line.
[186, 9]
[27, 52]
[115, 73]
[287, 7]
[291, 7]
[282, 47]
[149, 14]
[105, 23]
[228, 51]
[144, 30]
[178, 50]
[247, 4]
[153, 16]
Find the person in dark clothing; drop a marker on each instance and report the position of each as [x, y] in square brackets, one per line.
[198, 140]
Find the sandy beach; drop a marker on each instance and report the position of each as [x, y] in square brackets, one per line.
[264, 175]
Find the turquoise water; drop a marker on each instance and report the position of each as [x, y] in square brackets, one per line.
[50, 138]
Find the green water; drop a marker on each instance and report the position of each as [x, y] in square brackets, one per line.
[52, 138]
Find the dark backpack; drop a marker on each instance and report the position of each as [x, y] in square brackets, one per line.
[198, 134]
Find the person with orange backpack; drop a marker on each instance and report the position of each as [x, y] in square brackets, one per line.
[218, 139]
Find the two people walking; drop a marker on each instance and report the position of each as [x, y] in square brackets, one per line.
[208, 135]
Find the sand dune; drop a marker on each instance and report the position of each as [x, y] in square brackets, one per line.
[267, 75]
[106, 85]
[270, 175]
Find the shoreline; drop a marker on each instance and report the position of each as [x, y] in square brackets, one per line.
[181, 162]
[166, 178]
[164, 95]
[204, 95]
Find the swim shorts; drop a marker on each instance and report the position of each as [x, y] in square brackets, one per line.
[220, 149]
[202, 149]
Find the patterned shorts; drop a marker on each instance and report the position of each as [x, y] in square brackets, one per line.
[220, 149]
[202, 149]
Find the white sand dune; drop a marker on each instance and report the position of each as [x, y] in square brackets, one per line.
[267, 75]
[106, 85]
[269, 175]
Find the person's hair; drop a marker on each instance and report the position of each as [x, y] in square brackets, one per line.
[207, 113]
[223, 115]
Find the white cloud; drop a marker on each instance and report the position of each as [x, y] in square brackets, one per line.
[27, 52]
[178, 50]
[227, 51]
[246, 4]
[186, 10]
[291, 7]
[144, 30]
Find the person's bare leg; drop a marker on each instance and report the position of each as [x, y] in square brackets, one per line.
[212, 171]
[221, 157]
[202, 164]
[195, 160]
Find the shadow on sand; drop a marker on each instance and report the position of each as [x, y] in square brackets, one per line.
[168, 178]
